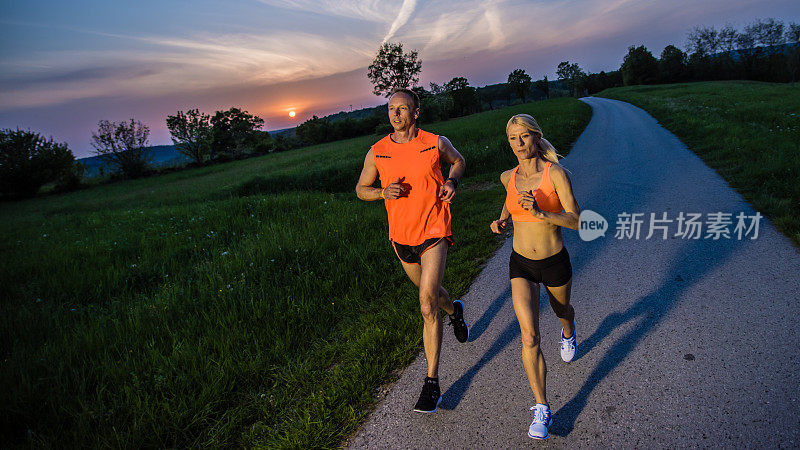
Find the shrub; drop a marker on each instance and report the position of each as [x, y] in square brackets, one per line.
[28, 161]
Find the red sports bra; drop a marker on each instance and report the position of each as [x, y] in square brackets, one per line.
[545, 195]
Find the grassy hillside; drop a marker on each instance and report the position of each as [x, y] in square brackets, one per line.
[749, 132]
[254, 303]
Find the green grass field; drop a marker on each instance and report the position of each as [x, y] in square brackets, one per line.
[749, 132]
[254, 303]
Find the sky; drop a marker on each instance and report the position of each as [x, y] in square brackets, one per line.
[66, 65]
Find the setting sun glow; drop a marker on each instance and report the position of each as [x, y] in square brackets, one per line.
[291, 113]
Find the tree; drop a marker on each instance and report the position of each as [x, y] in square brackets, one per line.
[520, 83]
[639, 66]
[746, 47]
[727, 39]
[439, 106]
[314, 130]
[596, 82]
[421, 92]
[191, 134]
[703, 41]
[767, 32]
[233, 131]
[793, 37]
[672, 66]
[392, 69]
[571, 74]
[124, 146]
[28, 161]
[463, 95]
[544, 86]
[793, 33]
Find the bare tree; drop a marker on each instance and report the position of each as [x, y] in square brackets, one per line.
[123, 145]
[703, 40]
[766, 32]
[727, 38]
[793, 33]
[793, 37]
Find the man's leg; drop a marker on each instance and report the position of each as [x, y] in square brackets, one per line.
[430, 300]
[414, 272]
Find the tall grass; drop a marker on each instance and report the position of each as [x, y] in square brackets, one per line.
[748, 131]
[255, 303]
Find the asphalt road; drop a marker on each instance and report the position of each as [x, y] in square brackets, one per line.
[681, 342]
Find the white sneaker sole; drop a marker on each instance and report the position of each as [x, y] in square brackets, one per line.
[434, 409]
[539, 438]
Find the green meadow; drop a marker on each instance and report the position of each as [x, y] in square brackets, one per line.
[253, 303]
[748, 131]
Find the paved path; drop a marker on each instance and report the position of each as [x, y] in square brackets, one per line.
[680, 342]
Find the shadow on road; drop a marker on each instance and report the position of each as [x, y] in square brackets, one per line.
[477, 329]
[647, 312]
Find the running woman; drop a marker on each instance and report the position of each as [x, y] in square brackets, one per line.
[417, 200]
[539, 200]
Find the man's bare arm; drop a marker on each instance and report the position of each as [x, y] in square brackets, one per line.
[369, 174]
[449, 154]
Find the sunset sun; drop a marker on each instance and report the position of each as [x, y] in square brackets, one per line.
[291, 113]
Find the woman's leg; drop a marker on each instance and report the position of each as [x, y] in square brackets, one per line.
[559, 301]
[525, 295]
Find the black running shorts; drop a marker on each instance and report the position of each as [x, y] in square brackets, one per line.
[552, 271]
[411, 254]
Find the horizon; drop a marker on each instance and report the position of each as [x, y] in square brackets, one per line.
[66, 66]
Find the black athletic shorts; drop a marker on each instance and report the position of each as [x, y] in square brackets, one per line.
[552, 271]
[411, 254]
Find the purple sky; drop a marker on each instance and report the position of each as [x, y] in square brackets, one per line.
[66, 65]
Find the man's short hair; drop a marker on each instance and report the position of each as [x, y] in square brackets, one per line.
[408, 92]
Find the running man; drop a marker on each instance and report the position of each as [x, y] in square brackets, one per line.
[417, 199]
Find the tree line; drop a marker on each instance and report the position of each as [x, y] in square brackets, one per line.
[764, 50]
[29, 161]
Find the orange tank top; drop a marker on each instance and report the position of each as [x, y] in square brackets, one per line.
[545, 195]
[419, 215]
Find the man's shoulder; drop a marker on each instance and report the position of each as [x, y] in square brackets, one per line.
[428, 138]
[381, 144]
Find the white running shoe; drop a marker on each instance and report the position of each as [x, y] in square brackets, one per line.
[541, 422]
[568, 345]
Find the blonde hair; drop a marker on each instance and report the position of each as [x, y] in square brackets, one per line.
[545, 149]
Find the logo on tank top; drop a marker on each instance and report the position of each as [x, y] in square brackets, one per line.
[429, 148]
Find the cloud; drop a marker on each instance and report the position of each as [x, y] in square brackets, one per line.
[170, 64]
[368, 10]
[402, 18]
[495, 24]
[92, 73]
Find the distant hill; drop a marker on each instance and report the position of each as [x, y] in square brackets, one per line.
[285, 132]
[784, 49]
[166, 155]
[162, 156]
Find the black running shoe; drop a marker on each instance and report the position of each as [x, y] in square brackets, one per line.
[430, 397]
[460, 327]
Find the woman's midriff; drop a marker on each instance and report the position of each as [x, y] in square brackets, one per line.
[537, 240]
